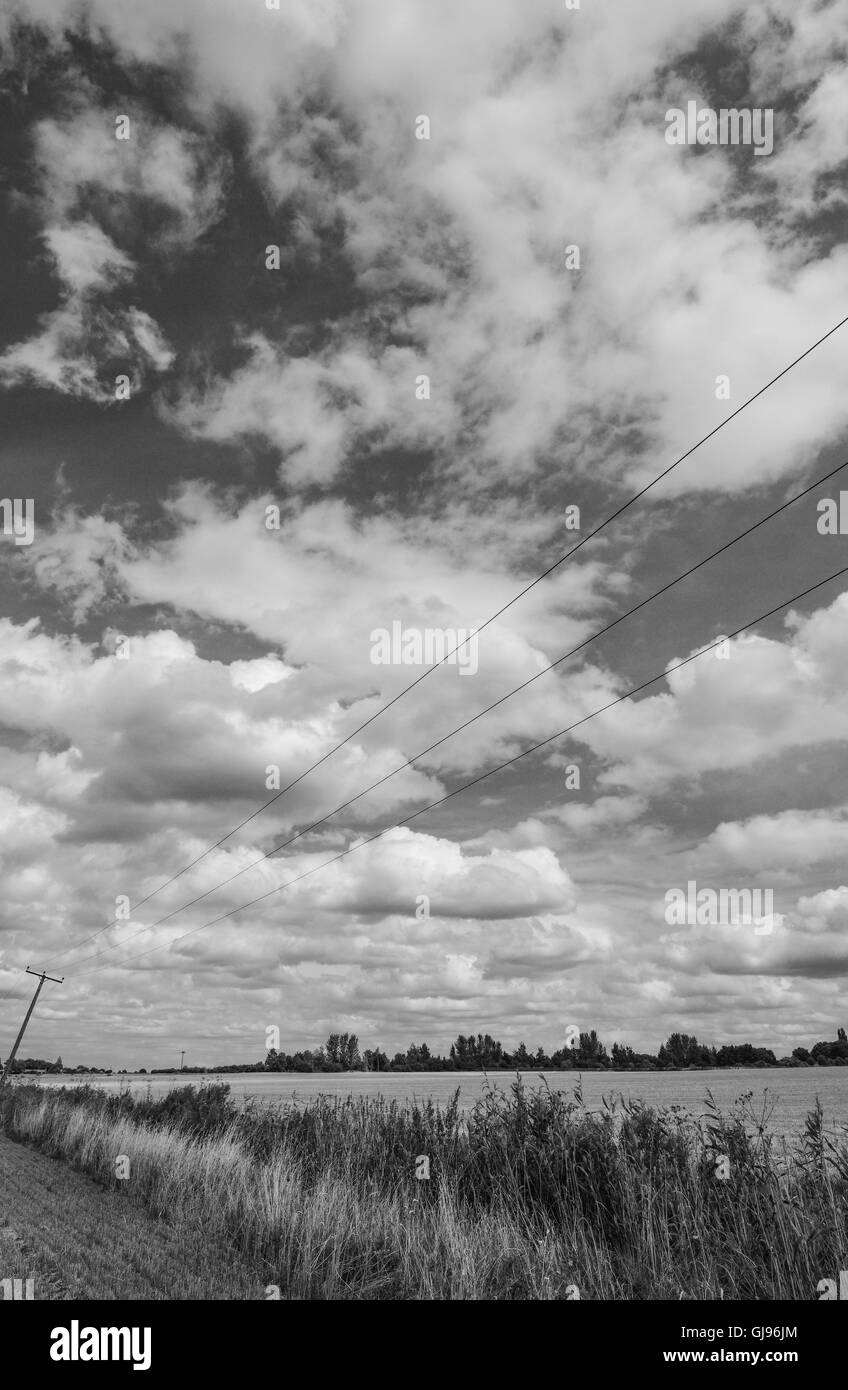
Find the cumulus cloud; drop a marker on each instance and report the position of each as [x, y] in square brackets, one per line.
[768, 697]
[790, 949]
[790, 839]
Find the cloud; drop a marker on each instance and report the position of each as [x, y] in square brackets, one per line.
[83, 163]
[788, 840]
[85, 257]
[456, 245]
[391, 874]
[770, 696]
[249, 647]
[79, 339]
[825, 911]
[605, 813]
[77, 558]
[791, 949]
[459, 241]
[314, 409]
[90, 186]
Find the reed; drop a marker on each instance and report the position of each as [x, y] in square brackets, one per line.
[529, 1195]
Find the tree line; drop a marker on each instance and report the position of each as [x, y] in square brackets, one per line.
[342, 1052]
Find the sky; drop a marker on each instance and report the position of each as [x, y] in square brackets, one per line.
[321, 321]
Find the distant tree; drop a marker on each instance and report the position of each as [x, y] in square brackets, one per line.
[489, 1052]
[349, 1051]
[684, 1050]
[591, 1050]
[342, 1051]
[744, 1055]
[623, 1057]
[419, 1058]
[823, 1052]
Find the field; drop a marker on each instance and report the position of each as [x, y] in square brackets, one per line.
[529, 1194]
[790, 1093]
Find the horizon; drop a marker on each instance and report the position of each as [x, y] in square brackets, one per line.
[442, 1053]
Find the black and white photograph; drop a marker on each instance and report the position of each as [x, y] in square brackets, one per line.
[424, 663]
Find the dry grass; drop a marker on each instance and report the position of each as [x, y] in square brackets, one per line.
[76, 1240]
[529, 1196]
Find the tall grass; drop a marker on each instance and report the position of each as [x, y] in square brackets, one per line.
[529, 1195]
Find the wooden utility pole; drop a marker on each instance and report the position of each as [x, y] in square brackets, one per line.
[12, 1055]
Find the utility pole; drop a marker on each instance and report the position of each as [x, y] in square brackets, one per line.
[12, 1055]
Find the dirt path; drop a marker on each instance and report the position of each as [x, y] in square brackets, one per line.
[75, 1239]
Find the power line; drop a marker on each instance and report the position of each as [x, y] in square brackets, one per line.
[459, 729]
[360, 844]
[493, 617]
